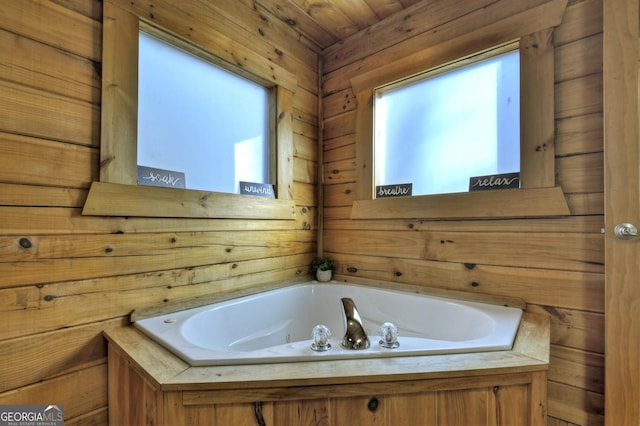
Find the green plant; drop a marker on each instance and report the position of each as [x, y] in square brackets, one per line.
[323, 264]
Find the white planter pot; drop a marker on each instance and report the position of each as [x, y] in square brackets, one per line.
[323, 276]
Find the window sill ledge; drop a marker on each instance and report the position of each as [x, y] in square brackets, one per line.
[112, 199]
[507, 203]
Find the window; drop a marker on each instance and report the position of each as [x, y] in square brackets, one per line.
[440, 128]
[205, 126]
[538, 194]
[118, 192]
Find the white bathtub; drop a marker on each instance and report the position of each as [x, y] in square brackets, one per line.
[276, 326]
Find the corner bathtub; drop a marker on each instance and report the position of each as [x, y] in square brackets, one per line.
[276, 325]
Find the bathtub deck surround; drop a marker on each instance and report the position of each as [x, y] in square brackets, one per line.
[499, 386]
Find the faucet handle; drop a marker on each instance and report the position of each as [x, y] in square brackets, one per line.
[321, 335]
[389, 336]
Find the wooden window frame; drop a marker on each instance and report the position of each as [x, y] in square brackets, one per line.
[538, 195]
[117, 193]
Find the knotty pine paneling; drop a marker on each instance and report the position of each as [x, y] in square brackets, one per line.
[572, 328]
[48, 22]
[582, 19]
[39, 196]
[33, 112]
[554, 264]
[49, 68]
[53, 220]
[50, 99]
[582, 134]
[65, 277]
[579, 96]
[83, 391]
[44, 158]
[578, 173]
[578, 58]
[577, 368]
[46, 259]
[517, 249]
[61, 354]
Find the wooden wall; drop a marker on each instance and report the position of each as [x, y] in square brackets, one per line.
[554, 264]
[64, 277]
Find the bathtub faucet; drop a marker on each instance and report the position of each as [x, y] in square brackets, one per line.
[355, 337]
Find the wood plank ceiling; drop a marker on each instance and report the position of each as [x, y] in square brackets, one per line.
[328, 21]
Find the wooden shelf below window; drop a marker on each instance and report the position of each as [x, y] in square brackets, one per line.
[508, 203]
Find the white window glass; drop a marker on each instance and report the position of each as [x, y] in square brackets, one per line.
[438, 130]
[201, 120]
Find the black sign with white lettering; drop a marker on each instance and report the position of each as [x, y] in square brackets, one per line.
[501, 181]
[398, 190]
[259, 189]
[160, 177]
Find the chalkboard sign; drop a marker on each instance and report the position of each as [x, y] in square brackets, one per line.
[259, 189]
[398, 190]
[159, 177]
[500, 181]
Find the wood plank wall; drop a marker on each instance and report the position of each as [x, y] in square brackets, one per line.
[555, 264]
[65, 277]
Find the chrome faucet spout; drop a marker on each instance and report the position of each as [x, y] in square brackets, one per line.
[355, 337]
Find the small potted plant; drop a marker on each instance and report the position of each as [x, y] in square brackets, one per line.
[323, 268]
